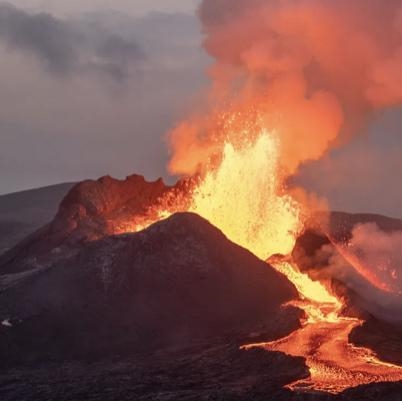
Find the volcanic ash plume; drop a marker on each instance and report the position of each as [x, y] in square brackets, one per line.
[309, 70]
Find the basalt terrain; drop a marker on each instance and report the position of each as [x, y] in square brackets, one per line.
[89, 311]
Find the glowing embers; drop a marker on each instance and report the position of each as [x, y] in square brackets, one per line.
[242, 198]
[242, 194]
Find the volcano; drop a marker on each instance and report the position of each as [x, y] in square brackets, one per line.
[238, 282]
[82, 290]
[176, 282]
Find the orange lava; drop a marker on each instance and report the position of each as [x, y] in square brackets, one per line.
[244, 195]
[323, 340]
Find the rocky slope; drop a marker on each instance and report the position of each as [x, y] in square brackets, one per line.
[91, 210]
[159, 314]
[178, 281]
[205, 371]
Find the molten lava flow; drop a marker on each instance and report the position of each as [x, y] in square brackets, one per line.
[323, 339]
[316, 301]
[243, 195]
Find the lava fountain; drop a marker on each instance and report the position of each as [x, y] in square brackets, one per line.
[279, 99]
[241, 211]
[244, 195]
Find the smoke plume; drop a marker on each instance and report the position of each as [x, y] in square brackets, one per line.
[310, 71]
[371, 267]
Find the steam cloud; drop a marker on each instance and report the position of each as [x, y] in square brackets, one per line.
[380, 251]
[313, 71]
[379, 256]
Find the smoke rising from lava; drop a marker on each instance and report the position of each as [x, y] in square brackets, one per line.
[381, 251]
[312, 70]
[309, 72]
[370, 266]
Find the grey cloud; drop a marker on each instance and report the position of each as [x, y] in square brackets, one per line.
[216, 12]
[92, 123]
[48, 38]
[66, 47]
[116, 55]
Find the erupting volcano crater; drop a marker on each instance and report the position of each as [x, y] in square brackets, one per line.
[243, 196]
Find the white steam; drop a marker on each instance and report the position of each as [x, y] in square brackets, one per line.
[371, 266]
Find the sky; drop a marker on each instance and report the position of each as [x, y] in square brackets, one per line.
[136, 7]
[90, 88]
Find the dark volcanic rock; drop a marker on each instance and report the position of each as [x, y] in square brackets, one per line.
[75, 291]
[384, 338]
[374, 392]
[202, 372]
[156, 315]
[175, 282]
[93, 209]
[90, 211]
[210, 372]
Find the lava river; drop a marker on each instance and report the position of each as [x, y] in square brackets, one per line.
[245, 197]
[323, 340]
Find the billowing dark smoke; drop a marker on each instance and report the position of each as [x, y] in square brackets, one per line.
[313, 71]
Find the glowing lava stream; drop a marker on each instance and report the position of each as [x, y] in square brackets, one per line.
[244, 198]
[334, 364]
